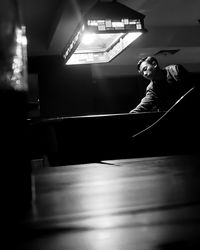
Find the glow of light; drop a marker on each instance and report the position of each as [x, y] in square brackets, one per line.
[88, 38]
[94, 48]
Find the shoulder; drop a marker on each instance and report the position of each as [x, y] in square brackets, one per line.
[175, 69]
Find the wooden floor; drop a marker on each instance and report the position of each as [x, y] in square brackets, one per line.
[125, 204]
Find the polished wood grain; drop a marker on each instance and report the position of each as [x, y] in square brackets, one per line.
[139, 203]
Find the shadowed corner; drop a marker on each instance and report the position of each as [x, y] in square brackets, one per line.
[183, 245]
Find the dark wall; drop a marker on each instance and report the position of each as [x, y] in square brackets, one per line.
[71, 90]
[118, 94]
[63, 91]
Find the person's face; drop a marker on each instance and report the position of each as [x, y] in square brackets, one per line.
[147, 70]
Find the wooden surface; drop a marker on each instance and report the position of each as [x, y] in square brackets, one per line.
[140, 203]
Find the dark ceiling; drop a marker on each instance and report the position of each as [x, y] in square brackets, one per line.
[172, 25]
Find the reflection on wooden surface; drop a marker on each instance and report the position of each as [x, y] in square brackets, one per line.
[140, 203]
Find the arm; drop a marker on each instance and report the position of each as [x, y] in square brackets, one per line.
[148, 103]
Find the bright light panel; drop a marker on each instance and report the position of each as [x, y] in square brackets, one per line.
[103, 48]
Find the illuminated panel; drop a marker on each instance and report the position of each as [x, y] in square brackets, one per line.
[103, 51]
[99, 41]
[18, 78]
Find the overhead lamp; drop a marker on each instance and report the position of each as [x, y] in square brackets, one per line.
[105, 31]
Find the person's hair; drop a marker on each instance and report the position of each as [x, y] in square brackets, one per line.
[148, 59]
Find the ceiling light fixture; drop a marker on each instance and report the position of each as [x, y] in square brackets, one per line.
[105, 31]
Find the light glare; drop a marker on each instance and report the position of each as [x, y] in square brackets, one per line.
[88, 38]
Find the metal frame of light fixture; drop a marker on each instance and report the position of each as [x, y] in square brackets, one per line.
[122, 23]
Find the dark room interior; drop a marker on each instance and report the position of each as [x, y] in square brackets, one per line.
[80, 170]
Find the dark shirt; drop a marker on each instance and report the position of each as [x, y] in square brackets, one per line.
[161, 95]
